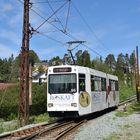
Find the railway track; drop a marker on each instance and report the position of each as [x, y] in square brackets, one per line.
[133, 98]
[55, 130]
[49, 131]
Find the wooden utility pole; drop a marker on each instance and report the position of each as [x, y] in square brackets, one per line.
[137, 75]
[24, 69]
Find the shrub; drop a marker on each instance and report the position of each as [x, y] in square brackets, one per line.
[9, 100]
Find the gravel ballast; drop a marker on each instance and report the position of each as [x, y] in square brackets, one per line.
[109, 124]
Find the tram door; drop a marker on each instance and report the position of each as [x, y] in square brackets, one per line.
[84, 98]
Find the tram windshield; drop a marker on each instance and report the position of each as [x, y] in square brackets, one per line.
[62, 83]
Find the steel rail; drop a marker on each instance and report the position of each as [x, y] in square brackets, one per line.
[128, 100]
[69, 130]
[42, 131]
[19, 133]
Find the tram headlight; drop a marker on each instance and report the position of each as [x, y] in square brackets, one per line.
[74, 104]
[50, 104]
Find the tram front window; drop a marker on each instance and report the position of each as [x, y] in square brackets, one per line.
[62, 83]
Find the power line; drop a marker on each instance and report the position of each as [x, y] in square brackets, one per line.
[50, 16]
[67, 15]
[54, 1]
[66, 33]
[55, 14]
[43, 34]
[89, 27]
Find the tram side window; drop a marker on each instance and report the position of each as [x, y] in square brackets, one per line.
[82, 82]
[112, 84]
[92, 83]
[116, 86]
[103, 83]
[95, 83]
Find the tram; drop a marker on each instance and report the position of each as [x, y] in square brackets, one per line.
[74, 91]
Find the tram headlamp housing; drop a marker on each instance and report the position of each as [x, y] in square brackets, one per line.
[74, 104]
[50, 104]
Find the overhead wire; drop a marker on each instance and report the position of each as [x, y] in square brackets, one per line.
[52, 1]
[50, 16]
[55, 13]
[68, 13]
[66, 33]
[90, 29]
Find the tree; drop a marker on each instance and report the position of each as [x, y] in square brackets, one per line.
[132, 60]
[98, 64]
[120, 66]
[79, 58]
[86, 59]
[111, 62]
[55, 61]
[41, 69]
[33, 57]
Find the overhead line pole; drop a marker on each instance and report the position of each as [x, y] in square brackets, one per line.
[137, 75]
[23, 113]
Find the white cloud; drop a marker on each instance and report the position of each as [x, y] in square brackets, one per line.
[6, 51]
[7, 7]
[10, 36]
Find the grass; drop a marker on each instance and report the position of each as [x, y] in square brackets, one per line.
[130, 109]
[126, 132]
[40, 118]
[5, 126]
[126, 91]
[113, 136]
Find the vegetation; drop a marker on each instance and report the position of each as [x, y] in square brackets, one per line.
[134, 107]
[9, 101]
[9, 68]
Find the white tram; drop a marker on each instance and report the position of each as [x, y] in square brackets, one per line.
[74, 91]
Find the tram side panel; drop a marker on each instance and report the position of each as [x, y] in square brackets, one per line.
[113, 91]
[84, 92]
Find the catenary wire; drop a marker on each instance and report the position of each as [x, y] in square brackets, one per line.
[90, 29]
[67, 34]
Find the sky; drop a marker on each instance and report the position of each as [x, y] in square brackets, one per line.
[107, 26]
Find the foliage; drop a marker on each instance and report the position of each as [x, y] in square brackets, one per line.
[111, 62]
[39, 93]
[9, 102]
[126, 91]
[9, 68]
[55, 61]
[113, 136]
[134, 107]
[10, 97]
[40, 118]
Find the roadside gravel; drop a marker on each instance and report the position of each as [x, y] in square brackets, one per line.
[110, 127]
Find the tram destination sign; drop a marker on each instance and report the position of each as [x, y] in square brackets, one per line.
[66, 69]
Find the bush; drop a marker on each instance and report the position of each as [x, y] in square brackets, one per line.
[9, 100]
[39, 95]
[126, 91]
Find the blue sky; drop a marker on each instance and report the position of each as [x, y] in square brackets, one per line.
[114, 27]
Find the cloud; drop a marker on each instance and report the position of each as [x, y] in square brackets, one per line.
[7, 7]
[6, 51]
[10, 36]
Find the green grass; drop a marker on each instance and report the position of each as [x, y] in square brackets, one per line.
[32, 120]
[130, 109]
[40, 118]
[113, 136]
[126, 91]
